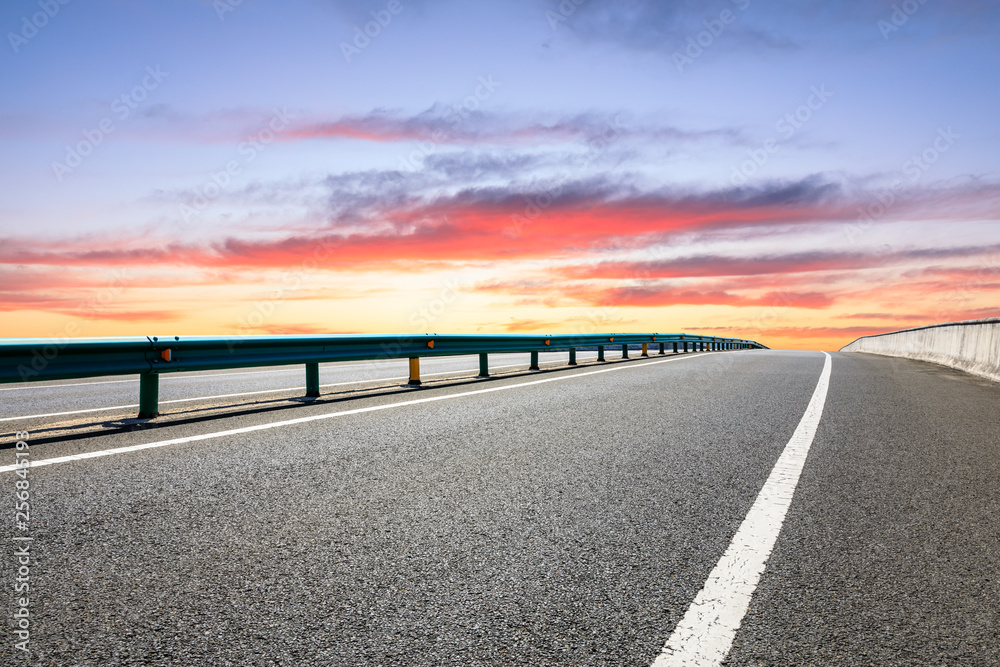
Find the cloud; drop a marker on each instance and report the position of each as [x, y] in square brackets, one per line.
[882, 316]
[557, 292]
[72, 306]
[443, 124]
[298, 330]
[375, 218]
[801, 262]
[531, 325]
[780, 25]
[922, 319]
[671, 295]
[652, 25]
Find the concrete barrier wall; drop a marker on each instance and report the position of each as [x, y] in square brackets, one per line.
[972, 346]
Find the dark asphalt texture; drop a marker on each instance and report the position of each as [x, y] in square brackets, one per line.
[890, 553]
[567, 523]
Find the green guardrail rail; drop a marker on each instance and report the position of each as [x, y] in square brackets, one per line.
[38, 359]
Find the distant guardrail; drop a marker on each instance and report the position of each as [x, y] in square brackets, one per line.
[972, 346]
[37, 359]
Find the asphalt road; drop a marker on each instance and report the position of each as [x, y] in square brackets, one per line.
[565, 522]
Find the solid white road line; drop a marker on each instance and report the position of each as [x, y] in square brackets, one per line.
[706, 633]
[245, 393]
[330, 415]
[166, 376]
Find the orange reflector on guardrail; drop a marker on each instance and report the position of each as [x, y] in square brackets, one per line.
[430, 344]
[165, 354]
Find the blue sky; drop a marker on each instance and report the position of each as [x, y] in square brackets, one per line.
[736, 143]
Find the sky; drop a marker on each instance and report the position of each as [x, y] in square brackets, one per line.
[800, 173]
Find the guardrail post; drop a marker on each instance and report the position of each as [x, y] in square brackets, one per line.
[675, 347]
[534, 362]
[414, 371]
[312, 380]
[484, 365]
[149, 395]
[572, 356]
[625, 351]
[645, 349]
[600, 353]
[663, 348]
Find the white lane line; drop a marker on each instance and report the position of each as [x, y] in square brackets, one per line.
[245, 393]
[330, 415]
[72, 412]
[166, 376]
[57, 386]
[706, 633]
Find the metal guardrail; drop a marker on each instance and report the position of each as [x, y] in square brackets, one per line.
[38, 359]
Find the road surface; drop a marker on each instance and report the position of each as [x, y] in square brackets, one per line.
[564, 517]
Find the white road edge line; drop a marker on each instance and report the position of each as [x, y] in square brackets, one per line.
[192, 375]
[35, 463]
[245, 393]
[705, 635]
